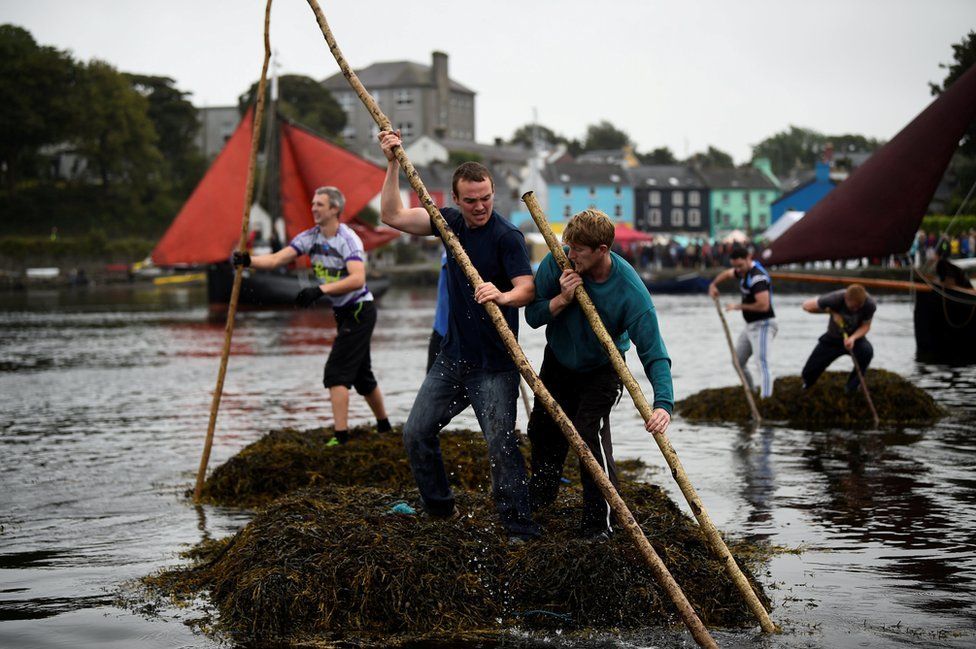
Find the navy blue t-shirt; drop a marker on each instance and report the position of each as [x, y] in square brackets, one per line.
[497, 251]
[756, 280]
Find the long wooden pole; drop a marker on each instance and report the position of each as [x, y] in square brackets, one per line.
[857, 367]
[626, 518]
[738, 366]
[242, 246]
[712, 535]
[865, 281]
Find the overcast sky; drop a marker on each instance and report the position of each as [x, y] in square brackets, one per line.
[684, 74]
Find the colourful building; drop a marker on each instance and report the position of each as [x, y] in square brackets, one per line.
[572, 187]
[805, 195]
[739, 199]
[670, 199]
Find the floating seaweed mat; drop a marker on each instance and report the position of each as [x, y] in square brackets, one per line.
[825, 404]
[333, 562]
[285, 460]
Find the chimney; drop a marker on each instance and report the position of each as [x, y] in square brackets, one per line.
[442, 93]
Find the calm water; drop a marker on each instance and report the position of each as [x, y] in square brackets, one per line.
[104, 397]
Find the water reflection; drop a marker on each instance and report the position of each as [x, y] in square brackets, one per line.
[104, 401]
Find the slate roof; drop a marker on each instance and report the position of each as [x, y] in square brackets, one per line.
[392, 74]
[588, 173]
[743, 178]
[665, 176]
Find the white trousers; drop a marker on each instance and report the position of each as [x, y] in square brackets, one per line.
[757, 338]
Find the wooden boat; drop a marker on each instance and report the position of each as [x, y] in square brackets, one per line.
[269, 289]
[208, 226]
[687, 284]
[877, 211]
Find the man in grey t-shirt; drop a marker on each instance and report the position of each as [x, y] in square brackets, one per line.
[856, 309]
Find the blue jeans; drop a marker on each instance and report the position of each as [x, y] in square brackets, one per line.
[449, 388]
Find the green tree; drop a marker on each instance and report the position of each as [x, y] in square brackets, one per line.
[525, 135]
[964, 55]
[962, 169]
[604, 135]
[303, 100]
[800, 148]
[176, 122]
[794, 148]
[659, 156]
[115, 136]
[712, 159]
[38, 86]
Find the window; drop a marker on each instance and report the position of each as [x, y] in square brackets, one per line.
[762, 221]
[406, 129]
[694, 199]
[677, 217]
[725, 198]
[403, 97]
[345, 101]
[616, 190]
[694, 218]
[726, 220]
[762, 199]
[567, 191]
[349, 132]
[618, 211]
[567, 212]
[592, 191]
[654, 217]
[654, 198]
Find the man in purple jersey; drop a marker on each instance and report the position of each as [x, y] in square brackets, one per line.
[339, 263]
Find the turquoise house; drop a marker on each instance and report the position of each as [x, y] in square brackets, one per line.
[739, 199]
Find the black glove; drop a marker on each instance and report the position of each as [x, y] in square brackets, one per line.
[307, 296]
[239, 258]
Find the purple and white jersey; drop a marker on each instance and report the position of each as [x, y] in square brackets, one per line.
[329, 256]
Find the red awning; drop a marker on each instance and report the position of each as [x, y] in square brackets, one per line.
[626, 235]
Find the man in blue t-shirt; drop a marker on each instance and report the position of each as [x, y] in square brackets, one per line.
[473, 367]
[576, 368]
[755, 285]
[856, 309]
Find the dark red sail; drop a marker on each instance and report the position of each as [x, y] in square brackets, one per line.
[208, 227]
[877, 211]
[309, 162]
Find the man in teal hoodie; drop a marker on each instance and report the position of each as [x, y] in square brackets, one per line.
[576, 368]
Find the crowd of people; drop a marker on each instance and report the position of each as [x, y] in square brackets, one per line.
[470, 364]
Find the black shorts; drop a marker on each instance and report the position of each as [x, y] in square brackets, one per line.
[349, 362]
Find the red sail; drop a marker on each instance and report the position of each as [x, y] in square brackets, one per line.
[208, 227]
[309, 162]
[877, 211]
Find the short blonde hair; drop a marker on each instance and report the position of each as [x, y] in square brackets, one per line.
[857, 294]
[591, 228]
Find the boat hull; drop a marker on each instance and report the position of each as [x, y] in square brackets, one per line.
[268, 289]
[691, 283]
[945, 330]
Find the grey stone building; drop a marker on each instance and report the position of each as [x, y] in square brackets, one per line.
[418, 99]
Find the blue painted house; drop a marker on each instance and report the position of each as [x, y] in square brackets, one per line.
[572, 187]
[805, 195]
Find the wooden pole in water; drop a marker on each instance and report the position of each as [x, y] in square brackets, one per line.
[712, 535]
[657, 567]
[857, 367]
[242, 246]
[738, 367]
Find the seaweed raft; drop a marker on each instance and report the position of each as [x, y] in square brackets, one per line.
[898, 402]
[333, 560]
